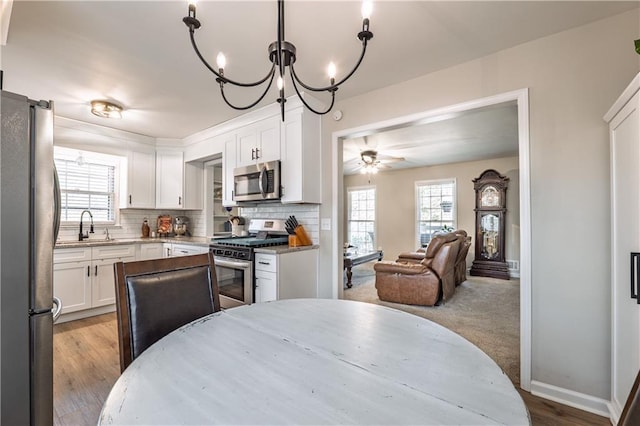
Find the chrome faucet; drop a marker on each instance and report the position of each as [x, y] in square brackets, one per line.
[81, 235]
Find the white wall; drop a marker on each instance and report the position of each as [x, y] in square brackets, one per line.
[396, 207]
[573, 78]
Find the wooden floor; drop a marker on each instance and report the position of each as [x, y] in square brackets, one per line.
[86, 365]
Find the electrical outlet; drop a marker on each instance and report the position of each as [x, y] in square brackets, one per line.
[325, 224]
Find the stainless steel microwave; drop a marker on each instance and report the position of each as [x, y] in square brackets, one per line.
[258, 182]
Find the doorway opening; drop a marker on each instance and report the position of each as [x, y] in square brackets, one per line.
[520, 97]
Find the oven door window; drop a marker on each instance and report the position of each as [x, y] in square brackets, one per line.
[231, 283]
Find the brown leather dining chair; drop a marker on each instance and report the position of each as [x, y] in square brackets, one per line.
[156, 297]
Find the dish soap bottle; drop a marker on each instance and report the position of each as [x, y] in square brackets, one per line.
[145, 228]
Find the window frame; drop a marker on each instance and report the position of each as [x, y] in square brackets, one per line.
[375, 211]
[454, 207]
[116, 161]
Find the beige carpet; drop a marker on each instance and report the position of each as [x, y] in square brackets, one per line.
[484, 311]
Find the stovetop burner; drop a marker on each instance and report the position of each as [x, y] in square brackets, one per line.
[253, 241]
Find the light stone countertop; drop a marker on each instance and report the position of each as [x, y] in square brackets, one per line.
[197, 241]
[284, 249]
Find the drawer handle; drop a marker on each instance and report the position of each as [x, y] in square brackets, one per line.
[264, 263]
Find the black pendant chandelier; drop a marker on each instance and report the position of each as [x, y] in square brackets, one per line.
[282, 55]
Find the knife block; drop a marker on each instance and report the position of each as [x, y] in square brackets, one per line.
[301, 237]
[294, 241]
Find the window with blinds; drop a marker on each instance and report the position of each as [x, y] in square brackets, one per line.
[361, 222]
[87, 182]
[436, 205]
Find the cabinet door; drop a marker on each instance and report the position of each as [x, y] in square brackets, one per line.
[268, 135]
[103, 289]
[169, 180]
[139, 188]
[72, 285]
[625, 187]
[150, 251]
[259, 142]
[299, 153]
[266, 286]
[247, 145]
[229, 162]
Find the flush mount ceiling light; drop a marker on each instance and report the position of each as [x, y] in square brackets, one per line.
[282, 55]
[106, 109]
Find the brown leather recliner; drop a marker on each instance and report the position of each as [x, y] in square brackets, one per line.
[424, 283]
[461, 261]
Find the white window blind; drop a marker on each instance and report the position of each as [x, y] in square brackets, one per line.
[86, 184]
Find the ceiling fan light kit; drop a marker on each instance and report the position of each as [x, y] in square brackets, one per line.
[282, 55]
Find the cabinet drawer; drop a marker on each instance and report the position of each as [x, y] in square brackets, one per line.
[79, 254]
[113, 252]
[265, 262]
[187, 250]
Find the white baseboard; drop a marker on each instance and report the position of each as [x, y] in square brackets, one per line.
[571, 398]
[72, 316]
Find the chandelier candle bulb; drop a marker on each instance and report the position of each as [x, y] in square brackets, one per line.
[367, 9]
[221, 61]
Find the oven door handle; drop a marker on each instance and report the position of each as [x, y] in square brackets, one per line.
[232, 264]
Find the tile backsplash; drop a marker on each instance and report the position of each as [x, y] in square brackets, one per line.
[308, 215]
[131, 224]
[131, 220]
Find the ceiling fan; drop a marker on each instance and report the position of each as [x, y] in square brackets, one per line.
[370, 161]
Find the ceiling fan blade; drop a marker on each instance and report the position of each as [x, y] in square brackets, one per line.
[392, 159]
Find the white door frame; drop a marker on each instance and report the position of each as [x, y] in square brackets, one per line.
[522, 99]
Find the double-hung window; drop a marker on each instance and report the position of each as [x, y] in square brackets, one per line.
[88, 181]
[361, 219]
[436, 205]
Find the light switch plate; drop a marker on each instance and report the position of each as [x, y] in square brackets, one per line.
[325, 224]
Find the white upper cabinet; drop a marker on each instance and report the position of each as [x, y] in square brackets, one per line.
[259, 142]
[169, 179]
[300, 157]
[138, 183]
[178, 184]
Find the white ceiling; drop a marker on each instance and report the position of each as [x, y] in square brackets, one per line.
[139, 54]
[479, 134]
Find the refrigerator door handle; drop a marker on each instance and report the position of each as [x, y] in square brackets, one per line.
[57, 205]
[57, 309]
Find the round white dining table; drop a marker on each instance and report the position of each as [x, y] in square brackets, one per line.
[313, 362]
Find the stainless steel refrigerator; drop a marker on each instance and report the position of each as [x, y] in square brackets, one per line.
[29, 220]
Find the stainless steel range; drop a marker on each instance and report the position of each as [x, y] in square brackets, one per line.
[234, 259]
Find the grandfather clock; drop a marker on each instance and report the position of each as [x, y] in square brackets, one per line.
[491, 209]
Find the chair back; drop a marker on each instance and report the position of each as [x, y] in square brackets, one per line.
[155, 297]
[631, 412]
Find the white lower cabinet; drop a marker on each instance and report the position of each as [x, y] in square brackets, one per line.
[83, 277]
[266, 277]
[150, 251]
[286, 275]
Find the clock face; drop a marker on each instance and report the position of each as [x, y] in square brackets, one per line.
[490, 197]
